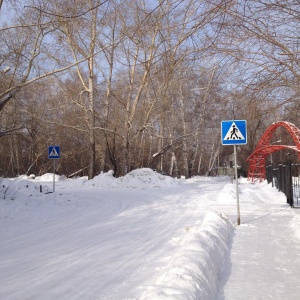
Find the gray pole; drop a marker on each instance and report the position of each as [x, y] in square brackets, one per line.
[53, 175]
[236, 187]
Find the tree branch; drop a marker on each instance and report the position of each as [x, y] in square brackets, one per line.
[67, 17]
[9, 131]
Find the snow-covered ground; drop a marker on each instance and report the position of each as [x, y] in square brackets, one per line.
[146, 236]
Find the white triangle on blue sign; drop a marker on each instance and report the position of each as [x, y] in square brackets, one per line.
[234, 133]
[53, 152]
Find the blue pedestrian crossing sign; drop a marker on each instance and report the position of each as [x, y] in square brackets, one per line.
[53, 152]
[234, 132]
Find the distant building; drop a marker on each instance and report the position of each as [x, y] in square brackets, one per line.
[227, 167]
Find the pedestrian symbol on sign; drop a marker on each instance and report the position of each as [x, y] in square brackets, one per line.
[234, 133]
[53, 152]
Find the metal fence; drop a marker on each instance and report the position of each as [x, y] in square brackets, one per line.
[286, 178]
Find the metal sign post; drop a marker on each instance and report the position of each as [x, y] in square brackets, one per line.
[53, 153]
[234, 133]
[237, 187]
[53, 175]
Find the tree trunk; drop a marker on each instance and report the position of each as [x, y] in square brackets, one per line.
[184, 142]
[174, 166]
[126, 151]
[200, 162]
[195, 150]
[92, 150]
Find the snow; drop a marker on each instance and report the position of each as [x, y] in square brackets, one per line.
[146, 236]
[194, 268]
[295, 224]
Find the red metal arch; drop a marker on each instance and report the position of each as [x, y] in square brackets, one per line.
[258, 158]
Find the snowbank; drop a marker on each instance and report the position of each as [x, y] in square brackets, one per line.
[144, 178]
[104, 180]
[49, 177]
[20, 186]
[192, 272]
[228, 195]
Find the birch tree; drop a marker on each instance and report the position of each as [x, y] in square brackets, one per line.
[80, 37]
[25, 40]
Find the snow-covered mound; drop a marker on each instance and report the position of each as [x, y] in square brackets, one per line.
[103, 180]
[192, 272]
[49, 177]
[144, 178]
[21, 186]
[228, 195]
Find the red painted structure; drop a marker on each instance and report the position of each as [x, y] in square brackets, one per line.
[257, 160]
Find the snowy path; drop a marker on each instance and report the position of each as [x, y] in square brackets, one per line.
[93, 243]
[264, 262]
